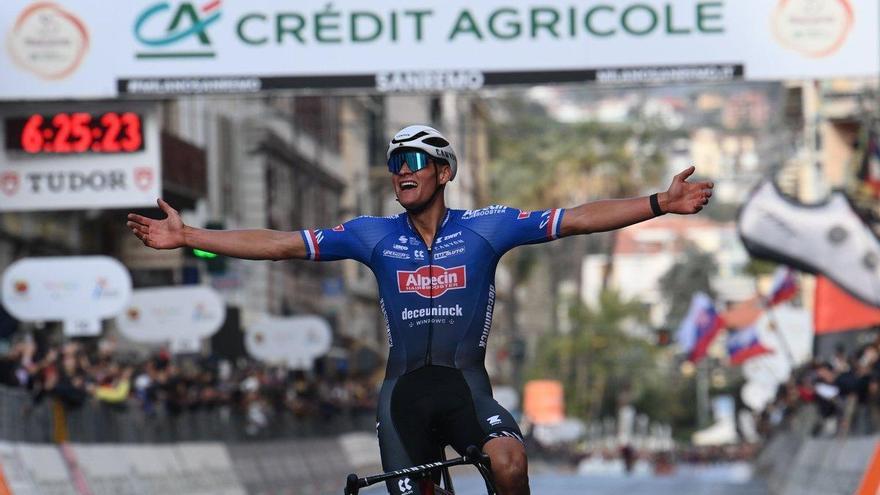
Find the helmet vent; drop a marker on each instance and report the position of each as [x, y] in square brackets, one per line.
[436, 141]
[410, 138]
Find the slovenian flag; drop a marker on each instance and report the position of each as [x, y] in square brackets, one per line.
[784, 286]
[743, 345]
[699, 328]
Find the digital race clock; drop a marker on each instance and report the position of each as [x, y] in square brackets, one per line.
[75, 132]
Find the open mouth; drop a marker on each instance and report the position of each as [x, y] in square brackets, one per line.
[408, 184]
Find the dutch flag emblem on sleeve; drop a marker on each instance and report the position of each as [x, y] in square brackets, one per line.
[553, 224]
[311, 239]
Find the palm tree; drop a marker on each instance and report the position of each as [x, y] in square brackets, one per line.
[539, 161]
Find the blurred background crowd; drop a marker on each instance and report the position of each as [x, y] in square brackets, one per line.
[160, 385]
[841, 394]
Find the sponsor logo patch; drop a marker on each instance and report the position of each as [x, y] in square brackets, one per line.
[409, 314]
[143, 178]
[450, 236]
[545, 217]
[395, 254]
[448, 253]
[9, 183]
[487, 322]
[446, 245]
[489, 210]
[432, 280]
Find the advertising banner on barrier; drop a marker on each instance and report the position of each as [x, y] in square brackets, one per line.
[72, 49]
[78, 290]
[79, 156]
[179, 315]
[296, 340]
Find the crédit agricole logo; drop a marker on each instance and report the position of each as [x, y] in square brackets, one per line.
[177, 32]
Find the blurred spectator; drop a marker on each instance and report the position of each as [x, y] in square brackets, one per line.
[17, 366]
[263, 399]
[827, 399]
[845, 392]
[66, 381]
[839, 363]
[165, 386]
[115, 385]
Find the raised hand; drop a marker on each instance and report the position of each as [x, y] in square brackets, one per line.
[164, 233]
[685, 197]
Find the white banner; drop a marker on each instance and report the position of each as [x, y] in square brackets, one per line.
[181, 315]
[67, 288]
[78, 156]
[73, 49]
[83, 327]
[296, 340]
[788, 332]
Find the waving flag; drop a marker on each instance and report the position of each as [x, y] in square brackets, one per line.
[834, 310]
[784, 286]
[699, 328]
[743, 345]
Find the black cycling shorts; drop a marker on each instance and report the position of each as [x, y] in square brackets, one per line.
[423, 411]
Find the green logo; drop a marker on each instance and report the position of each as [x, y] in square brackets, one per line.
[183, 25]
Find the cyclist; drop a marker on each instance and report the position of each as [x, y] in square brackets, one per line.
[435, 269]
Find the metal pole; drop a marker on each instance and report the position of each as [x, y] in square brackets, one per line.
[774, 326]
[702, 394]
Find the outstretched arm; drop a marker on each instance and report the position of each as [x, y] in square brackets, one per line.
[682, 197]
[257, 244]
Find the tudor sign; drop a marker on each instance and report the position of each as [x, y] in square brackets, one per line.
[79, 156]
[432, 278]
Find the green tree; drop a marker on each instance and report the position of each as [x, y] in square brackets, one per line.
[540, 162]
[599, 360]
[667, 396]
[596, 355]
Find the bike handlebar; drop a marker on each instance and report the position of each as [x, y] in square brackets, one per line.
[472, 455]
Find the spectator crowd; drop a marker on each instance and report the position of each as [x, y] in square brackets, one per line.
[842, 394]
[160, 385]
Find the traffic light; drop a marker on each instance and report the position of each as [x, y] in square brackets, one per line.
[204, 255]
[215, 263]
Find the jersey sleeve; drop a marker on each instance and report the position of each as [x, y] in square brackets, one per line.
[505, 228]
[354, 239]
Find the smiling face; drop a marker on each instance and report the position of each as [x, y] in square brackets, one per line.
[414, 190]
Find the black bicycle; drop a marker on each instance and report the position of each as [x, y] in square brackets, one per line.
[423, 475]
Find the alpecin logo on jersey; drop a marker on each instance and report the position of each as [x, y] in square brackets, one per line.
[429, 277]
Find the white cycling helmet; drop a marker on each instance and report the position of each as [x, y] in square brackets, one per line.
[427, 139]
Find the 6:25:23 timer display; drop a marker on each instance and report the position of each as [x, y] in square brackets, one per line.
[75, 132]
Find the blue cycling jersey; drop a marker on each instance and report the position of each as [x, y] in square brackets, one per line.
[437, 300]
